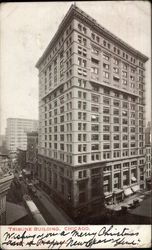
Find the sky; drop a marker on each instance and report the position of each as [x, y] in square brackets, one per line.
[26, 30]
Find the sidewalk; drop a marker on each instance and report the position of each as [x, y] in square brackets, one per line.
[57, 213]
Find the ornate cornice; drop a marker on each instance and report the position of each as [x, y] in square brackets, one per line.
[75, 12]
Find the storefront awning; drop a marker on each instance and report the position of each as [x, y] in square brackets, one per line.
[107, 194]
[135, 188]
[118, 191]
[128, 191]
[133, 178]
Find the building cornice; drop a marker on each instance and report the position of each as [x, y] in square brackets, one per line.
[74, 11]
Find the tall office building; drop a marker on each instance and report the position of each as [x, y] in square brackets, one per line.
[91, 113]
[16, 132]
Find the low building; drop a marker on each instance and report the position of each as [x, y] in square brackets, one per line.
[32, 152]
[15, 214]
[4, 161]
[5, 182]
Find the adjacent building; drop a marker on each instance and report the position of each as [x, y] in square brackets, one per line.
[5, 162]
[3, 149]
[91, 115]
[5, 182]
[32, 153]
[16, 133]
[21, 158]
[148, 149]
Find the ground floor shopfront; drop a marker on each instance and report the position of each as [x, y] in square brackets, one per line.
[120, 195]
[85, 189]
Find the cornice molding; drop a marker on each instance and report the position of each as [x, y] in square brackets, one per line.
[75, 12]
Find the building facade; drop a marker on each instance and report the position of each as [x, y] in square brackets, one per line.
[91, 115]
[32, 153]
[21, 158]
[16, 133]
[148, 134]
[148, 163]
[5, 182]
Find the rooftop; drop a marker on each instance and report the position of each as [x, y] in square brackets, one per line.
[14, 212]
[74, 10]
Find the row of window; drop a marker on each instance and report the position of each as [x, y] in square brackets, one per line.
[108, 45]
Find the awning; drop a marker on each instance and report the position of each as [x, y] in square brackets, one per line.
[135, 188]
[128, 191]
[118, 191]
[133, 178]
[107, 194]
[115, 76]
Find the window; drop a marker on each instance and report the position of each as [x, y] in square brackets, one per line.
[94, 147]
[124, 66]
[116, 129]
[106, 128]
[94, 127]
[106, 110]
[93, 36]
[106, 146]
[116, 145]
[125, 145]
[116, 61]
[95, 87]
[124, 74]
[132, 129]
[106, 74]
[106, 91]
[82, 94]
[105, 57]
[105, 66]
[106, 100]
[79, 161]
[104, 42]
[116, 111]
[93, 60]
[125, 137]
[62, 118]
[79, 26]
[124, 113]
[132, 78]
[84, 30]
[106, 119]
[124, 82]
[95, 51]
[95, 109]
[125, 105]
[116, 137]
[116, 70]
[124, 121]
[82, 83]
[94, 70]
[94, 98]
[94, 118]
[106, 137]
[94, 137]
[116, 120]
[116, 103]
